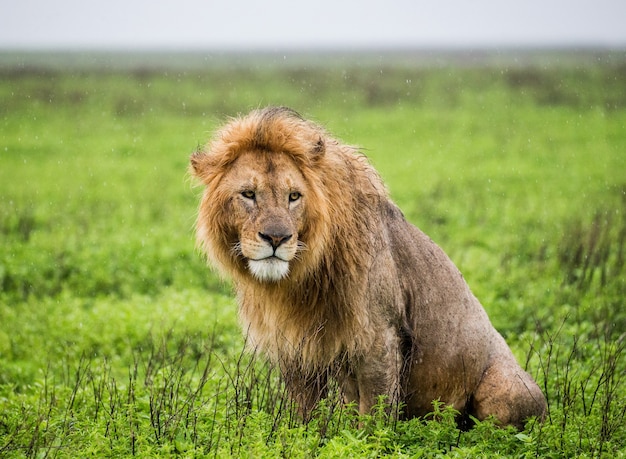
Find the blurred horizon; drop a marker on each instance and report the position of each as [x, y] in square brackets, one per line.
[161, 59]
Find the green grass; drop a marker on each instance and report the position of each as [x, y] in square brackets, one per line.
[116, 339]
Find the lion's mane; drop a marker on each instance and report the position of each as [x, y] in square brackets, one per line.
[342, 208]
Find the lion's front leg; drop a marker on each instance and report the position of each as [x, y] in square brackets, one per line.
[372, 383]
[306, 389]
[378, 374]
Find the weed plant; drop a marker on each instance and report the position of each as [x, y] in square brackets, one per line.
[117, 341]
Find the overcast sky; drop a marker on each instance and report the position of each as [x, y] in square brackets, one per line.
[275, 24]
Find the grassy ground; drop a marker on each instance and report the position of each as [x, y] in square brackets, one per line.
[116, 340]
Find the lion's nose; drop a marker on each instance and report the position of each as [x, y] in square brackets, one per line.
[275, 239]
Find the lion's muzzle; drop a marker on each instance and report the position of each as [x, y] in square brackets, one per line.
[269, 254]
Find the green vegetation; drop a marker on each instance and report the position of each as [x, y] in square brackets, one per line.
[117, 341]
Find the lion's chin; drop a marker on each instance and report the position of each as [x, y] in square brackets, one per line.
[269, 269]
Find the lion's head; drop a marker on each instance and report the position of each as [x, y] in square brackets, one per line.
[267, 211]
[263, 213]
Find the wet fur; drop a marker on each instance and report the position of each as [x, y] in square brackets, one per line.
[369, 300]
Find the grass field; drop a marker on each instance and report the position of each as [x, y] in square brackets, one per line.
[116, 340]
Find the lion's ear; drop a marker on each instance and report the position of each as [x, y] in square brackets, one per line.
[318, 149]
[199, 163]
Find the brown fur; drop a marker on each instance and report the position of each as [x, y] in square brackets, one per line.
[352, 291]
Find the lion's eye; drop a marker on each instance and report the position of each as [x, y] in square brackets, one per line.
[248, 194]
[294, 196]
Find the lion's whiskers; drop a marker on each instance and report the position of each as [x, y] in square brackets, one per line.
[236, 251]
[302, 247]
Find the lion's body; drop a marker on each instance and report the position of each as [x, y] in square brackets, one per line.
[332, 281]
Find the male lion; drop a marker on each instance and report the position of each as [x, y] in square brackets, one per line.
[332, 281]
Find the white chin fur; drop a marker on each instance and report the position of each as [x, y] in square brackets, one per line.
[270, 269]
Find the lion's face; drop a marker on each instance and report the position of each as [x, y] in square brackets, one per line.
[265, 213]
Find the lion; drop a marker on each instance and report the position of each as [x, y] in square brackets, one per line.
[334, 283]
